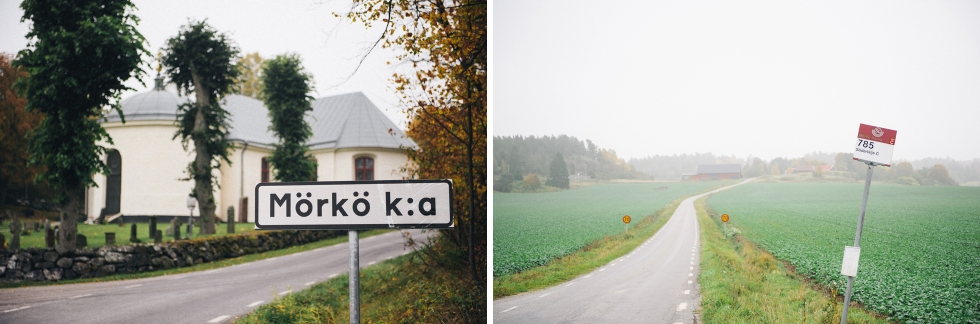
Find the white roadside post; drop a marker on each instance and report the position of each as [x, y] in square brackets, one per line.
[353, 206]
[191, 203]
[874, 147]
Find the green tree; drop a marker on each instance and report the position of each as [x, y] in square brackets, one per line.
[286, 87]
[79, 55]
[940, 176]
[249, 80]
[558, 172]
[202, 61]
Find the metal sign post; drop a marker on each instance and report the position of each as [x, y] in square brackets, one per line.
[191, 203]
[857, 243]
[626, 223]
[355, 277]
[353, 206]
[874, 147]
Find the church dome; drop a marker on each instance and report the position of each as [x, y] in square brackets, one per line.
[156, 104]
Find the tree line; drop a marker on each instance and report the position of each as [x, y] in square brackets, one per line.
[517, 157]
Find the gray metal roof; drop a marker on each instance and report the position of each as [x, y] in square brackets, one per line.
[351, 120]
[150, 105]
[340, 121]
[719, 168]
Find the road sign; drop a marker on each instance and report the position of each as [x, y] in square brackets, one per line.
[724, 218]
[849, 266]
[354, 205]
[875, 145]
[626, 219]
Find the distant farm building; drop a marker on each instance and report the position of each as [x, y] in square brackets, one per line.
[715, 172]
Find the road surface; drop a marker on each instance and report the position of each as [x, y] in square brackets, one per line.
[655, 283]
[212, 296]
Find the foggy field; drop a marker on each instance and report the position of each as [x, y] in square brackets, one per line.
[920, 248]
[531, 229]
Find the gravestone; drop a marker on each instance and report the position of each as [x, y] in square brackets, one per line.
[3, 242]
[176, 228]
[110, 238]
[48, 234]
[81, 241]
[37, 226]
[132, 234]
[189, 230]
[153, 225]
[15, 234]
[231, 220]
[157, 237]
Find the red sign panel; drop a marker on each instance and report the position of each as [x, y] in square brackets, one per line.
[877, 134]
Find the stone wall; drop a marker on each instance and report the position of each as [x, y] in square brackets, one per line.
[47, 264]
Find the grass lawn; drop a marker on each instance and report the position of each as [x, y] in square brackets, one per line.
[95, 234]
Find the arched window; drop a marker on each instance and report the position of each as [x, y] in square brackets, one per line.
[265, 170]
[113, 187]
[364, 168]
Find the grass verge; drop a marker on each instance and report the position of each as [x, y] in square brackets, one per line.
[742, 283]
[202, 266]
[95, 234]
[589, 258]
[426, 286]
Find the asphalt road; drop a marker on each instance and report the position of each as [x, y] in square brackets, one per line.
[213, 296]
[655, 283]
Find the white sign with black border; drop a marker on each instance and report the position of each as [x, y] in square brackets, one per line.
[354, 205]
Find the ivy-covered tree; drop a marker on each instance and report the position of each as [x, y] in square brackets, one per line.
[200, 60]
[558, 172]
[286, 85]
[79, 55]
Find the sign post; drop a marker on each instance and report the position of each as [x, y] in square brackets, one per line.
[874, 147]
[724, 220]
[353, 206]
[626, 220]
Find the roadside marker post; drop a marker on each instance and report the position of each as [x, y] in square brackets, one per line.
[353, 206]
[626, 221]
[874, 147]
[724, 220]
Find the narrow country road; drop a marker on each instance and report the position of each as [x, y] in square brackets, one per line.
[212, 296]
[655, 283]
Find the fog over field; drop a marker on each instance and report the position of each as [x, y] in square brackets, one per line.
[766, 79]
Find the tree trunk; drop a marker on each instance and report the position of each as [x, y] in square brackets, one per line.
[202, 161]
[69, 217]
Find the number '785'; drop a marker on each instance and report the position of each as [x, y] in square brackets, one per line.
[866, 144]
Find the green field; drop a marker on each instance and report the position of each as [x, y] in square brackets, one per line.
[920, 248]
[531, 229]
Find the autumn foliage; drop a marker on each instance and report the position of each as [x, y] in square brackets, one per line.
[445, 97]
[15, 122]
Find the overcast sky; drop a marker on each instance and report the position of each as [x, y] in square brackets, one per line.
[767, 79]
[329, 47]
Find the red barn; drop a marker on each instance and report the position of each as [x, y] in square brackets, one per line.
[715, 172]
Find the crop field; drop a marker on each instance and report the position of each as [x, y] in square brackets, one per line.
[531, 229]
[920, 247]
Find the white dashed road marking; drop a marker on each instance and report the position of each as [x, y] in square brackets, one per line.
[687, 292]
[690, 274]
[310, 283]
[16, 309]
[544, 295]
[586, 276]
[255, 304]
[333, 275]
[285, 292]
[689, 282]
[681, 307]
[79, 296]
[509, 309]
[133, 286]
[219, 319]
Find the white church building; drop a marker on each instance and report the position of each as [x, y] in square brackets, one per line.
[352, 140]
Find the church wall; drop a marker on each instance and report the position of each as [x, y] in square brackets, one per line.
[152, 163]
[231, 185]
